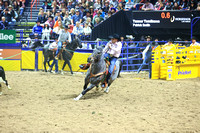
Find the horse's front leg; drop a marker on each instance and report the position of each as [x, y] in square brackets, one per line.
[70, 67]
[84, 92]
[45, 69]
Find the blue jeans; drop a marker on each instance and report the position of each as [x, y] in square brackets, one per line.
[55, 62]
[59, 47]
[149, 67]
[112, 62]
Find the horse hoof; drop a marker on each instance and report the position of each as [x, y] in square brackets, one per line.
[62, 72]
[9, 88]
[76, 99]
[106, 90]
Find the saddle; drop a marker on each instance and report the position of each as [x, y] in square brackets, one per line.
[88, 65]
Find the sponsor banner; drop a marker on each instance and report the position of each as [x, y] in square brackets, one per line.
[7, 36]
[162, 19]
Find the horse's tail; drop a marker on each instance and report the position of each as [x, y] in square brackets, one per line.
[120, 68]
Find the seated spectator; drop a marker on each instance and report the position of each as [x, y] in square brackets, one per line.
[77, 31]
[53, 12]
[129, 4]
[46, 7]
[113, 10]
[50, 21]
[54, 5]
[97, 4]
[89, 21]
[157, 4]
[90, 3]
[86, 31]
[97, 21]
[198, 7]
[87, 15]
[58, 14]
[46, 31]
[42, 18]
[57, 29]
[48, 13]
[91, 9]
[72, 12]
[120, 7]
[183, 4]
[63, 12]
[76, 18]
[114, 3]
[8, 18]
[97, 16]
[3, 24]
[176, 6]
[147, 6]
[108, 15]
[1, 6]
[106, 7]
[70, 5]
[123, 3]
[67, 19]
[13, 13]
[56, 22]
[2, 27]
[161, 6]
[169, 5]
[21, 6]
[15, 6]
[5, 5]
[37, 31]
[194, 42]
[82, 11]
[62, 5]
[192, 6]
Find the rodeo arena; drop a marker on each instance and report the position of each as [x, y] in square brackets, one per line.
[100, 66]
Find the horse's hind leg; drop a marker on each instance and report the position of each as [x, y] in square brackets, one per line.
[84, 92]
[0, 89]
[69, 64]
[45, 69]
[6, 82]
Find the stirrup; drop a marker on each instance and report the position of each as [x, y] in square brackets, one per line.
[56, 58]
[104, 85]
[84, 66]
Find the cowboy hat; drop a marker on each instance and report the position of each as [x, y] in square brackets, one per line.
[114, 36]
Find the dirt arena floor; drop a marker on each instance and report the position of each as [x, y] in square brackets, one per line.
[43, 103]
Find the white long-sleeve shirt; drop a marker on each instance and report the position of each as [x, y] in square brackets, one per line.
[115, 49]
[46, 32]
[87, 30]
[145, 50]
[77, 30]
[64, 36]
[195, 44]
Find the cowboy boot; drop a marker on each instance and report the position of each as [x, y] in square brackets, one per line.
[105, 84]
[58, 55]
[84, 66]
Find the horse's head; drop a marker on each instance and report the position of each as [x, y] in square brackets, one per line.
[96, 55]
[76, 43]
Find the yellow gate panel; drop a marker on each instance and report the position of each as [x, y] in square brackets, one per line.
[11, 65]
[40, 60]
[28, 59]
[77, 59]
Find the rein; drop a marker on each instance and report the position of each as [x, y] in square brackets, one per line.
[98, 74]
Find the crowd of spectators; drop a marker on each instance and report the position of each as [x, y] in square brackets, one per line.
[10, 12]
[82, 16]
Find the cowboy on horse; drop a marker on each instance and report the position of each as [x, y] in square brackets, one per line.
[111, 52]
